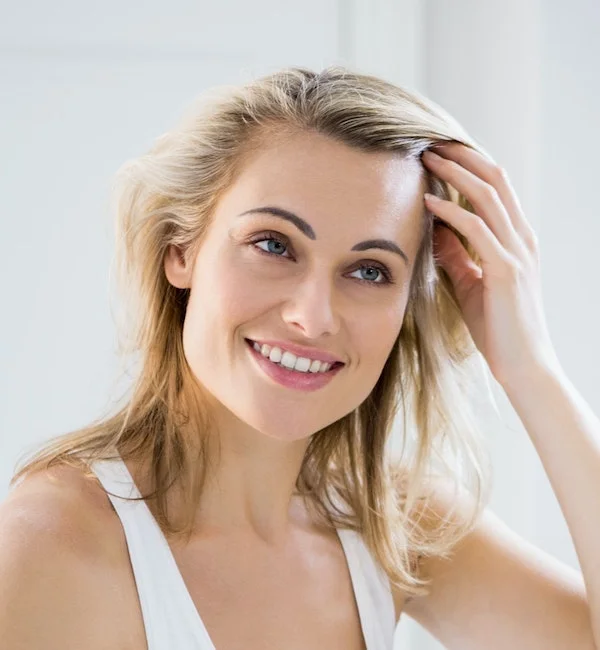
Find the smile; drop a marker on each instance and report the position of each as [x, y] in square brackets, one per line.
[293, 372]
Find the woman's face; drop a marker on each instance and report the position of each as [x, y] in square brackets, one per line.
[303, 283]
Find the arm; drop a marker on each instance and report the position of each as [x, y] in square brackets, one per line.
[498, 591]
[501, 591]
[566, 435]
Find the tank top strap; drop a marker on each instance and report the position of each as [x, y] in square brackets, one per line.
[372, 590]
[161, 591]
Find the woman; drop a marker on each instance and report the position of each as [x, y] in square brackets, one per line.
[289, 292]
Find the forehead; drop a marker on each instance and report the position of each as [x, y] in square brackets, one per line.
[333, 185]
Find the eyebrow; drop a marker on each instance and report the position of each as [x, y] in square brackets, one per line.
[307, 229]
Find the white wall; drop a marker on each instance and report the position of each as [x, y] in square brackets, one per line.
[85, 87]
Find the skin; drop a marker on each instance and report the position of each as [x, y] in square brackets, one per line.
[309, 293]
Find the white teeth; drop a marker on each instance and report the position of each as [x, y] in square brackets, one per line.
[275, 355]
[302, 365]
[314, 366]
[290, 361]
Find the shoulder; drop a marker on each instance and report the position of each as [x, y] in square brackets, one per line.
[64, 506]
[55, 552]
[445, 513]
[494, 588]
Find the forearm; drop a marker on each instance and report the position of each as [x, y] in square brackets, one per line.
[566, 435]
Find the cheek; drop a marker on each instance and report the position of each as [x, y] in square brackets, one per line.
[377, 334]
[227, 293]
[245, 292]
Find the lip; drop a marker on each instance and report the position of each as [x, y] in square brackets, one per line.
[300, 350]
[306, 381]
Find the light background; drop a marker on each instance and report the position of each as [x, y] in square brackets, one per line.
[86, 86]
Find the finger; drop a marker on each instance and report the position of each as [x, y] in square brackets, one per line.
[481, 195]
[496, 176]
[452, 256]
[495, 259]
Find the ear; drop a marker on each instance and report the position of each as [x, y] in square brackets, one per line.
[178, 274]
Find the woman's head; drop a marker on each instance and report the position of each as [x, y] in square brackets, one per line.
[341, 151]
[257, 276]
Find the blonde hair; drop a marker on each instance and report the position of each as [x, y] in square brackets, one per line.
[166, 197]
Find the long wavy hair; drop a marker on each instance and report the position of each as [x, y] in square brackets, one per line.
[350, 472]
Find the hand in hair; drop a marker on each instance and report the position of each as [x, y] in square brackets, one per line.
[501, 299]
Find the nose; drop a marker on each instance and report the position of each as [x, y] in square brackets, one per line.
[311, 308]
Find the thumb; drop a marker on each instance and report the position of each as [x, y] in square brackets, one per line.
[450, 254]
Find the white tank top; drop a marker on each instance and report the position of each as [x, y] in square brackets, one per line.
[171, 619]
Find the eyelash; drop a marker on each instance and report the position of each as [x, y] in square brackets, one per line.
[269, 236]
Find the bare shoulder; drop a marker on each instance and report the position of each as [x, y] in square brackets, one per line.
[64, 506]
[58, 552]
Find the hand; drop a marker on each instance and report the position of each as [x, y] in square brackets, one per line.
[501, 301]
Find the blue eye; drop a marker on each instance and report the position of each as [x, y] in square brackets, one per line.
[275, 246]
[271, 250]
[381, 271]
